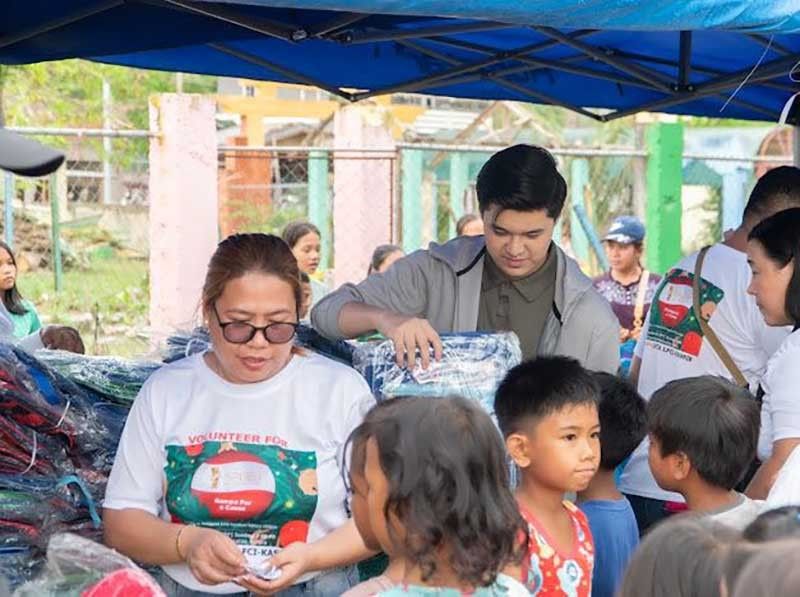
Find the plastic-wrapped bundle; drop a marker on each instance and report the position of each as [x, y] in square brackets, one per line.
[77, 566]
[116, 380]
[19, 565]
[184, 344]
[472, 366]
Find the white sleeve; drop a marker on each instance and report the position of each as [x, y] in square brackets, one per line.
[136, 479]
[358, 407]
[786, 489]
[782, 402]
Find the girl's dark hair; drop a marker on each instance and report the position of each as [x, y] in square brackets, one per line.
[464, 220]
[681, 557]
[379, 255]
[12, 299]
[772, 525]
[446, 468]
[779, 235]
[242, 254]
[773, 572]
[294, 231]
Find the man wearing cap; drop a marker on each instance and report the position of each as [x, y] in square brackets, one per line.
[627, 286]
[26, 157]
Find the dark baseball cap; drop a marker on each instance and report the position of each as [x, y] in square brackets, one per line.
[27, 157]
[625, 230]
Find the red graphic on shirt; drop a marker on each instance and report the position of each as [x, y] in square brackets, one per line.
[675, 300]
[294, 531]
[234, 485]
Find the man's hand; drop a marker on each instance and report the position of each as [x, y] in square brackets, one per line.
[409, 334]
[61, 337]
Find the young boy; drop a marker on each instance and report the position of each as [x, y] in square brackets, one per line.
[703, 436]
[547, 412]
[623, 425]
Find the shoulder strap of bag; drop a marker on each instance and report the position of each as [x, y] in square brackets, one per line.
[641, 295]
[708, 333]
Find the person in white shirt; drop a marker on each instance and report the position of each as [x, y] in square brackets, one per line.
[231, 462]
[773, 252]
[673, 345]
[26, 157]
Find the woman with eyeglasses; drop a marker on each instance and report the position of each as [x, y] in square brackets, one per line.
[228, 473]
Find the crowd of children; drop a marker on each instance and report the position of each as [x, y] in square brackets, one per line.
[430, 489]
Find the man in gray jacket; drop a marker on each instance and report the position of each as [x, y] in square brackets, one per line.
[513, 278]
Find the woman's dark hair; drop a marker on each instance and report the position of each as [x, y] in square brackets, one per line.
[446, 468]
[242, 254]
[464, 221]
[294, 231]
[779, 235]
[379, 255]
[522, 178]
[12, 299]
[682, 557]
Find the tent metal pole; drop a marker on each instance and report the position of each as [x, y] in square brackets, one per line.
[415, 84]
[602, 56]
[561, 65]
[760, 39]
[392, 35]
[699, 69]
[796, 145]
[262, 26]
[299, 77]
[14, 38]
[685, 67]
[547, 98]
[335, 25]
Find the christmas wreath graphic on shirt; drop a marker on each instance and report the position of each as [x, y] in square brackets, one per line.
[261, 496]
[673, 322]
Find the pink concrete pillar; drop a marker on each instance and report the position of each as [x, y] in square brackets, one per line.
[363, 184]
[183, 207]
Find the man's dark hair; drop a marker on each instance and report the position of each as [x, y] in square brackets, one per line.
[537, 388]
[623, 419]
[522, 178]
[779, 235]
[711, 420]
[777, 190]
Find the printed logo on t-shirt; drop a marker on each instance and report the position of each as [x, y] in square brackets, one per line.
[261, 496]
[674, 327]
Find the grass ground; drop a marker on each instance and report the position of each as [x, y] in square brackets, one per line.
[106, 301]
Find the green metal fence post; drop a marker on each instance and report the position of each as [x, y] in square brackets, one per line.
[664, 184]
[56, 233]
[459, 181]
[411, 162]
[319, 201]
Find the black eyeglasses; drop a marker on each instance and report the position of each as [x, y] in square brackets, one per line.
[241, 332]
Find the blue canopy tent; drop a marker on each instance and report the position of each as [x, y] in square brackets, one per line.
[602, 58]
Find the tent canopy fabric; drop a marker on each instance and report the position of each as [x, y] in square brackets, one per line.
[603, 58]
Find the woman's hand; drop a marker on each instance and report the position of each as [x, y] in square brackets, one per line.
[293, 561]
[212, 556]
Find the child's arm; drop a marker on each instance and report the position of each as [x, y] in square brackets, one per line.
[762, 481]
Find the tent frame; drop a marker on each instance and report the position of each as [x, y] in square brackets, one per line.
[490, 63]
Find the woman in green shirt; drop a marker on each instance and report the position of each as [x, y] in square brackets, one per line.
[21, 312]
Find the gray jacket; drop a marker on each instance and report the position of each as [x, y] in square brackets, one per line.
[443, 285]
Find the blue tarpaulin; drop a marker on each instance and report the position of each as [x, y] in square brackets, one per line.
[603, 58]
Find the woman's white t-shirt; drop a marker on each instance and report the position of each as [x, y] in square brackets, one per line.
[780, 410]
[259, 462]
